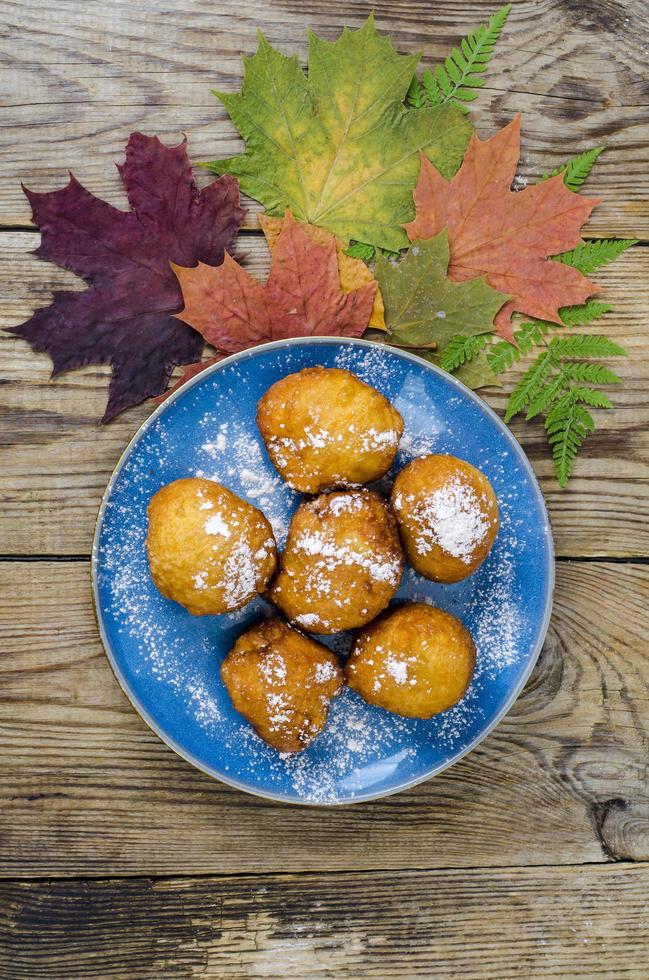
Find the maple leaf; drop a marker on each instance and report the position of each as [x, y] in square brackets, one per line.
[352, 272]
[301, 297]
[477, 373]
[339, 148]
[507, 236]
[125, 318]
[424, 306]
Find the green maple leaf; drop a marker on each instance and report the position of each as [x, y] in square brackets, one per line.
[423, 306]
[338, 147]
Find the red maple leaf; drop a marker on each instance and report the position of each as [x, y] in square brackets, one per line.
[504, 235]
[126, 316]
[301, 297]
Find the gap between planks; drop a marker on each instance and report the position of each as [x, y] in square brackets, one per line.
[329, 873]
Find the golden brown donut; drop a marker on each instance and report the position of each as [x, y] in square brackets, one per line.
[342, 563]
[208, 549]
[447, 514]
[415, 661]
[282, 682]
[324, 427]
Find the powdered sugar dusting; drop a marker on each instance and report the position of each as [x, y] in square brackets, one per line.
[216, 525]
[453, 518]
[397, 668]
[246, 469]
[386, 568]
[351, 737]
[200, 580]
[325, 671]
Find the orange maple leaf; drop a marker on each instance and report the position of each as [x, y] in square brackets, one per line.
[504, 235]
[353, 272]
[301, 297]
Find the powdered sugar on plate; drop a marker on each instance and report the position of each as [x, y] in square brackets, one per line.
[233, 456]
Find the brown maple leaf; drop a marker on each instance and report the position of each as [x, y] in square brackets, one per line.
[504, 235]
[301, 297]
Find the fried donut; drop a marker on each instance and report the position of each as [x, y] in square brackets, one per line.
[282, 682]
[208, 549]
[415, 661]
[342, 563]
[324, 427]
[447, 514]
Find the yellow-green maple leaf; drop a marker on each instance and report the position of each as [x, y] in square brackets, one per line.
[339, 148]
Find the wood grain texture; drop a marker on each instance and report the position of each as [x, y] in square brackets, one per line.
[512, 857]
[542, 922]
[88, 790]
[95, 72]
[55, 459]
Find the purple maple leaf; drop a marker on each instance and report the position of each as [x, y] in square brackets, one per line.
[125, 317]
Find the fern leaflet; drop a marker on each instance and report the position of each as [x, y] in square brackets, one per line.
[359, 250]
[576, 169]
[415, 96]
[573, 316]
[567, 425]
[547, 395]
[586, 345]
[503, 355]
[461, 349]
[594, 374]
[591, 255]
[530, 384]
[590, 396]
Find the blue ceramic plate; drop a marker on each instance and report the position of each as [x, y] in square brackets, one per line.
[167, 661]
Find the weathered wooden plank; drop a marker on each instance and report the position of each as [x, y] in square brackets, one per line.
[86, 789]
[56, 459]
[80, 77]
[542, 922]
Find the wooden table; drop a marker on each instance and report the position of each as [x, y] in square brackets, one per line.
[530, 858]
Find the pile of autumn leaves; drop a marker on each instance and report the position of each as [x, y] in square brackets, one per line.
[347, 162]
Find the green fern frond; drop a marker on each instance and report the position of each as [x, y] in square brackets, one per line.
[415, 96]
[530, 384]
[359, 250]
[567, 425]
[574, 316]
[594, 374]
[576, 169]
[532, 333]
[461, 349]
[503, 355]
[591, 255]
[559, 382]
[547, 395]
[387, 252]
[436, 88]
[589, 396]
[458, 79]
[586, 345]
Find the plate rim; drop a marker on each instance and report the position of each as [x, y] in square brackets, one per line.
[142, 710]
